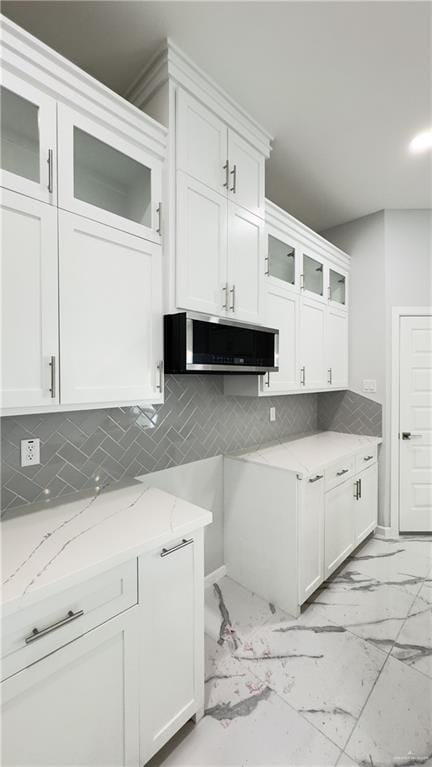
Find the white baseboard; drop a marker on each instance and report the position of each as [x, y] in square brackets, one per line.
[215, 576]
[385, 532]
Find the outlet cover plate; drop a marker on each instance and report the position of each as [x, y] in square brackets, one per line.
[272, 414]
[30, 452]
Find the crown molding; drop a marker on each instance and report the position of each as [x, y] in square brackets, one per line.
[169, 63]
[279, 219]
[28, 58]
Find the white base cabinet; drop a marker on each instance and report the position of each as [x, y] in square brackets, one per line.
[285, 533]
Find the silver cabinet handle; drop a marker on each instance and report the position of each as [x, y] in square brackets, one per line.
[227, 174]
[52, 365]
[316, 478]
[232, 291]
[50, 170]
[302, 282]
[303, 375]
[165, 552]
[359, 488]
[330, 375]
[39, 633]
[159, 215]
[267, 382]
[225, 290]
[329, 293]
[341, 472]
[267, 262]
[356, 490]
[233, 173]
[160, 368]
[368, 457]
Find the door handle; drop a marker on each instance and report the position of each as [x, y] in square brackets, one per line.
[166, 552]
[411, 434]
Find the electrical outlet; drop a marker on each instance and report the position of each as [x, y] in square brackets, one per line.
[369, 385]
[272, 414]
[30, 452]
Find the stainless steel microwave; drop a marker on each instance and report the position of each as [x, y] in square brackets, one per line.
[199, 343]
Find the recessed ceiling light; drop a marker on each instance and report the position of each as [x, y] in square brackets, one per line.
[421, 142]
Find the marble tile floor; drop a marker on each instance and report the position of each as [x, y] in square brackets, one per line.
[347, 683]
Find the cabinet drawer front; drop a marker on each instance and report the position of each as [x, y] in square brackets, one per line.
[339, 472]
[366, 459]
[40, 629]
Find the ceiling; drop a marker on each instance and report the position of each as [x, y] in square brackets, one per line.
[342, 86]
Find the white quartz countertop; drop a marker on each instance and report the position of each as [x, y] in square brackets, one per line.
[310, 454]
[51, 547]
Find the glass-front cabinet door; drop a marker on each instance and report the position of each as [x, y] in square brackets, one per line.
[28, 140]
[104, 177]
[312, 277]
[281, 261]
[337, 291]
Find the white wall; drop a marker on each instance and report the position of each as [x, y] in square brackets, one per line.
[200, 482]
[391, 266]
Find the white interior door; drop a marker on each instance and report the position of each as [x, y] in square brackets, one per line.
[29, 302]
[246, 244]
[77, 706]
[110, 314]
[201, 252]
[415, 424]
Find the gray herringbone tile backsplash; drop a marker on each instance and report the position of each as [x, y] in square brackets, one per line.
[82, 449]
[349, 412]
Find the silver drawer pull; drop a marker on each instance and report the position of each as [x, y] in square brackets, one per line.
[342, 471]
[165, 552]
[39, 633]
[368, 457]
[316, 478]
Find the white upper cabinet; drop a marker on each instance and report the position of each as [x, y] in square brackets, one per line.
[110, 314]
[245, 174]
[106, 178]
[337, 347]
[282, 312]
[245, 264]
[202, 143]
[312, 344]
[201, 247]
[281, 261]
[28, 139]
[312, 276]
[29, 302]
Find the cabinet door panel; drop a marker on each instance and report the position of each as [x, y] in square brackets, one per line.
[246, 242]
[201, 247]
[78, 706]
[338, 525]
[201, 142]
[246, 180]
[105, 178]
[29, 301]
[311, 538]
[366, 506]
[110, 314]
[282, 312]
[171, 595]
[28, 140]
[312, 343]
[337, 346]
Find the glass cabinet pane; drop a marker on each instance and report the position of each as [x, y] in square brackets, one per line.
[281, 260]
[19, 135]
[313, 275]
[111, 180]
[337, 287]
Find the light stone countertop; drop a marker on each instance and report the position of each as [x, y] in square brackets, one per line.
[50, 547]
[311, 453]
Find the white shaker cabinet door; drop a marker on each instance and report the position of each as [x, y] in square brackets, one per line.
[27, 140]
[246, 245]
[110, 314]
[201, 143]
[246, 174]
[171, 583]
[201, 261]
[337, 347]
[311, 536]
[312, 343]
[338, 525]
[29, 302]
[282, 312]
[366, 503]
[77, 706]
